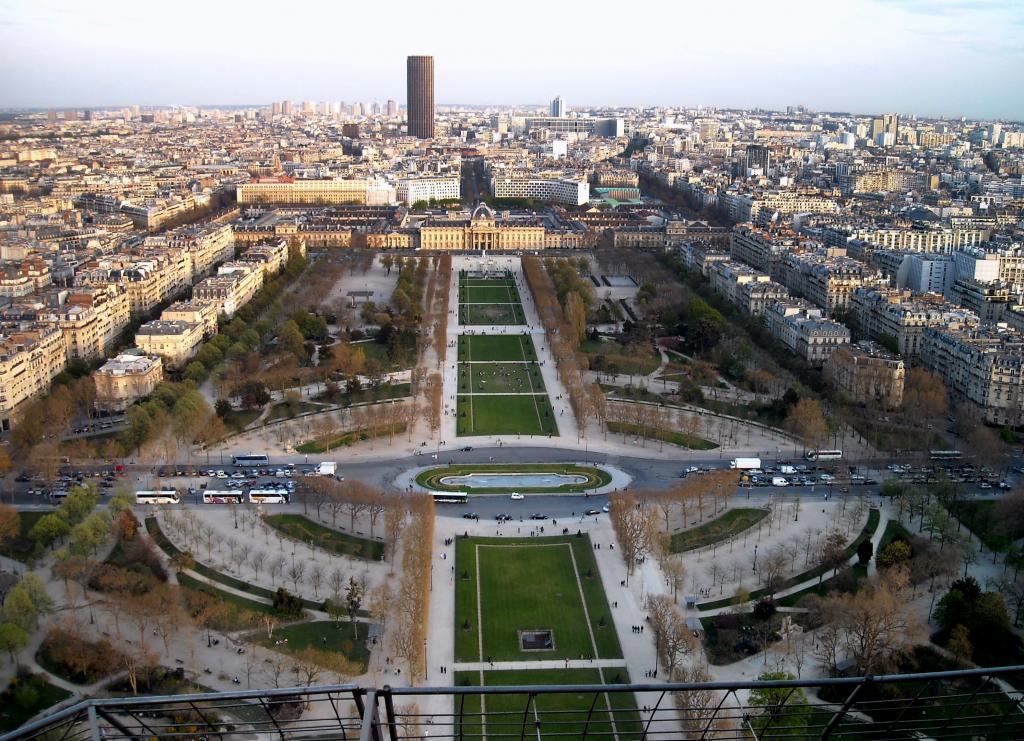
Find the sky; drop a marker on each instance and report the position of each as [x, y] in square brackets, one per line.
[927, 57]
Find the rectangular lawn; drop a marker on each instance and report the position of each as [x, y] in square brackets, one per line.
[500, 378]
[488, 295]
[530, 584]
[561, 715]
[495, 314]
[520, 414]
[492, 348]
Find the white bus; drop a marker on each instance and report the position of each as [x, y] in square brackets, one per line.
[59, 496]
[268, 496]
[250, 459]
[824, 455]
[211, 496]
[945, 455]
[163, 496]
[450, 497]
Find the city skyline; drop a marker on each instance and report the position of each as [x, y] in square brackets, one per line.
[942, 59]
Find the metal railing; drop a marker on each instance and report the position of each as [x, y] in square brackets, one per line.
[970, 704]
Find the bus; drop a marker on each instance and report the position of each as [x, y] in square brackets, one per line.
[222, 497]
[824, 455]
[268, 496]
[59, 495]
[250, 459]
[163, 496]
[945, 455]
[450, 497]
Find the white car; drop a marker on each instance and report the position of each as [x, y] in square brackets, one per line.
[517, 496]
[221, 475]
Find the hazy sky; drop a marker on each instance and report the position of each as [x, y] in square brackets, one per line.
[931, 57]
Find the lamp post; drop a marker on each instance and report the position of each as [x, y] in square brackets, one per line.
[755, 557]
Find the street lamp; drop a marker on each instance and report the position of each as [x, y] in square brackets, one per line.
[755, 556]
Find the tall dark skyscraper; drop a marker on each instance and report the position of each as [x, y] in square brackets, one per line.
[420, 96]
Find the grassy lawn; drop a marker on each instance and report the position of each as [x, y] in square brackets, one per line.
[21, 547]
[158, 536]
[326, 635]
[668, 436]
[283, 410]
[326, 444]
[238, 419]
[495, 348]
[981, 518]
[893, 531]
[17, 708]
[377, 351]
[616, 358]
[874, 517]
[562, 715]
[522, 414]
[497, 314]
[381, 393]
[304, 529]
[530, 584]
[500, 378]
[489, 294]
[596, 477]
[842, 582]
[241, 611]
[721, 528]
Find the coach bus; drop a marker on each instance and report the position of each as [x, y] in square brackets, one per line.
[824, 455]
[268, 496]
[250, 459]
[222, 497]
[163, 496]
[59, 496]
[945, 455]
[450, 497]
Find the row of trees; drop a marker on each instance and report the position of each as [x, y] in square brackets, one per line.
[411, 604]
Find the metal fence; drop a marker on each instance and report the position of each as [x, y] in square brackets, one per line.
[972, 704]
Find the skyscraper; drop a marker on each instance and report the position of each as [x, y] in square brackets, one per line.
[392, 109]
[420, 96]
[558, 107]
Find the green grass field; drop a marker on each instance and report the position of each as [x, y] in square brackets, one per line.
[562, 715]
[497, 314]
[304, 529]
[496, 348]
[326, 635]
[39, 694]
[721, 528]
[530, 584]
[489, 294]
[521, 414]
[500, 378]
[596, 477]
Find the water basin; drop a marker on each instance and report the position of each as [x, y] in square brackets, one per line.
[514, 480]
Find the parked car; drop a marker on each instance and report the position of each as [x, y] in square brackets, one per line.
[517, 496]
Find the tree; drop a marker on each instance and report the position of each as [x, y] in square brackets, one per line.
[780, 707]
[576, 315]
[864, 552]
[635, 526]
[874, 622]
[13, 638]
[10, 524]
[959, 643]
[925, 395]
[895, 553]
[353, 601]
[807, 422]
[222, 408]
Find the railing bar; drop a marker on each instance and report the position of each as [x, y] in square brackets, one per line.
[647, 725]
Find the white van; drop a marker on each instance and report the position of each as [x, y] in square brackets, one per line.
[780, 481]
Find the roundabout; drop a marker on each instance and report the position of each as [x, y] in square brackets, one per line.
[523, 478]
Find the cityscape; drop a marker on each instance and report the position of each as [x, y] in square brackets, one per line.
[397, 417]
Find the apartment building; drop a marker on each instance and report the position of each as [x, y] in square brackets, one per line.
[232, 288]
[989, 300]
[569, 190]
[922, 239]
[193, 312]
[303, 192]
[23, 277]
[825, 277]
[802, 328]
[609, 127]
[207, 246]
[270, 255]
[176, 342]
[867, 373]
[700, 256]
[411, 190]
[900, 317]
[31, 354]
[749, 289]
[125, 379]
[983, 367]
[761, 248]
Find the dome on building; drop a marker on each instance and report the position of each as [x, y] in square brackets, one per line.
[482, 211]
